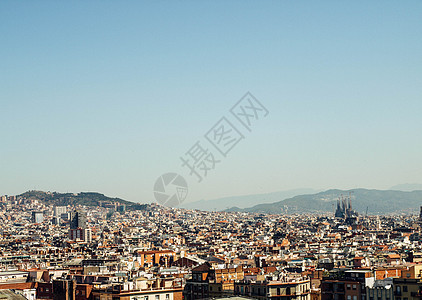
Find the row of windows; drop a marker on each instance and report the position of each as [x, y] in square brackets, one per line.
[200, 287]
[157, 297]
[387, 296]
[404, 288]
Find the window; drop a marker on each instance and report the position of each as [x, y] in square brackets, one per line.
[354, 286]
[349, 297]
[348, 287]
[167, 296]
[157, 297]
[405, 288]
[146, 298]
[355, 297]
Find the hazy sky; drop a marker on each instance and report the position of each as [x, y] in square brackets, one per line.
[108, 95]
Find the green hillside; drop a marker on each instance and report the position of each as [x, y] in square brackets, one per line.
[377, 202]
[85, 198]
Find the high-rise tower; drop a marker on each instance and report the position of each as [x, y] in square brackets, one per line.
[77, 219]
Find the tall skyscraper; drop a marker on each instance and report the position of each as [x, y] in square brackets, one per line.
[37, 217]
[78, 220]
[59, 210]
[80, 235]
[420, 215]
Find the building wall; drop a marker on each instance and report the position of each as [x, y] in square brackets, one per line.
[407, 288]
[379, 293]
[352, 290]
[139, 295]
[64, 289]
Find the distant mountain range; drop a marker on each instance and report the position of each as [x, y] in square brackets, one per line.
[85, 198]
[375, 201]
[407, 187]
[291, 201]
[244, 201]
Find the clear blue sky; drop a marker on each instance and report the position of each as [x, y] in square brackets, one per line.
[107, 95]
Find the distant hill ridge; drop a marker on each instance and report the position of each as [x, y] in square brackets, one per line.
[245, 200]
[376, 201]
[83, 198]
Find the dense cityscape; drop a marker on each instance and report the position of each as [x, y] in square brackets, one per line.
[208, 150]
[108, 252]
